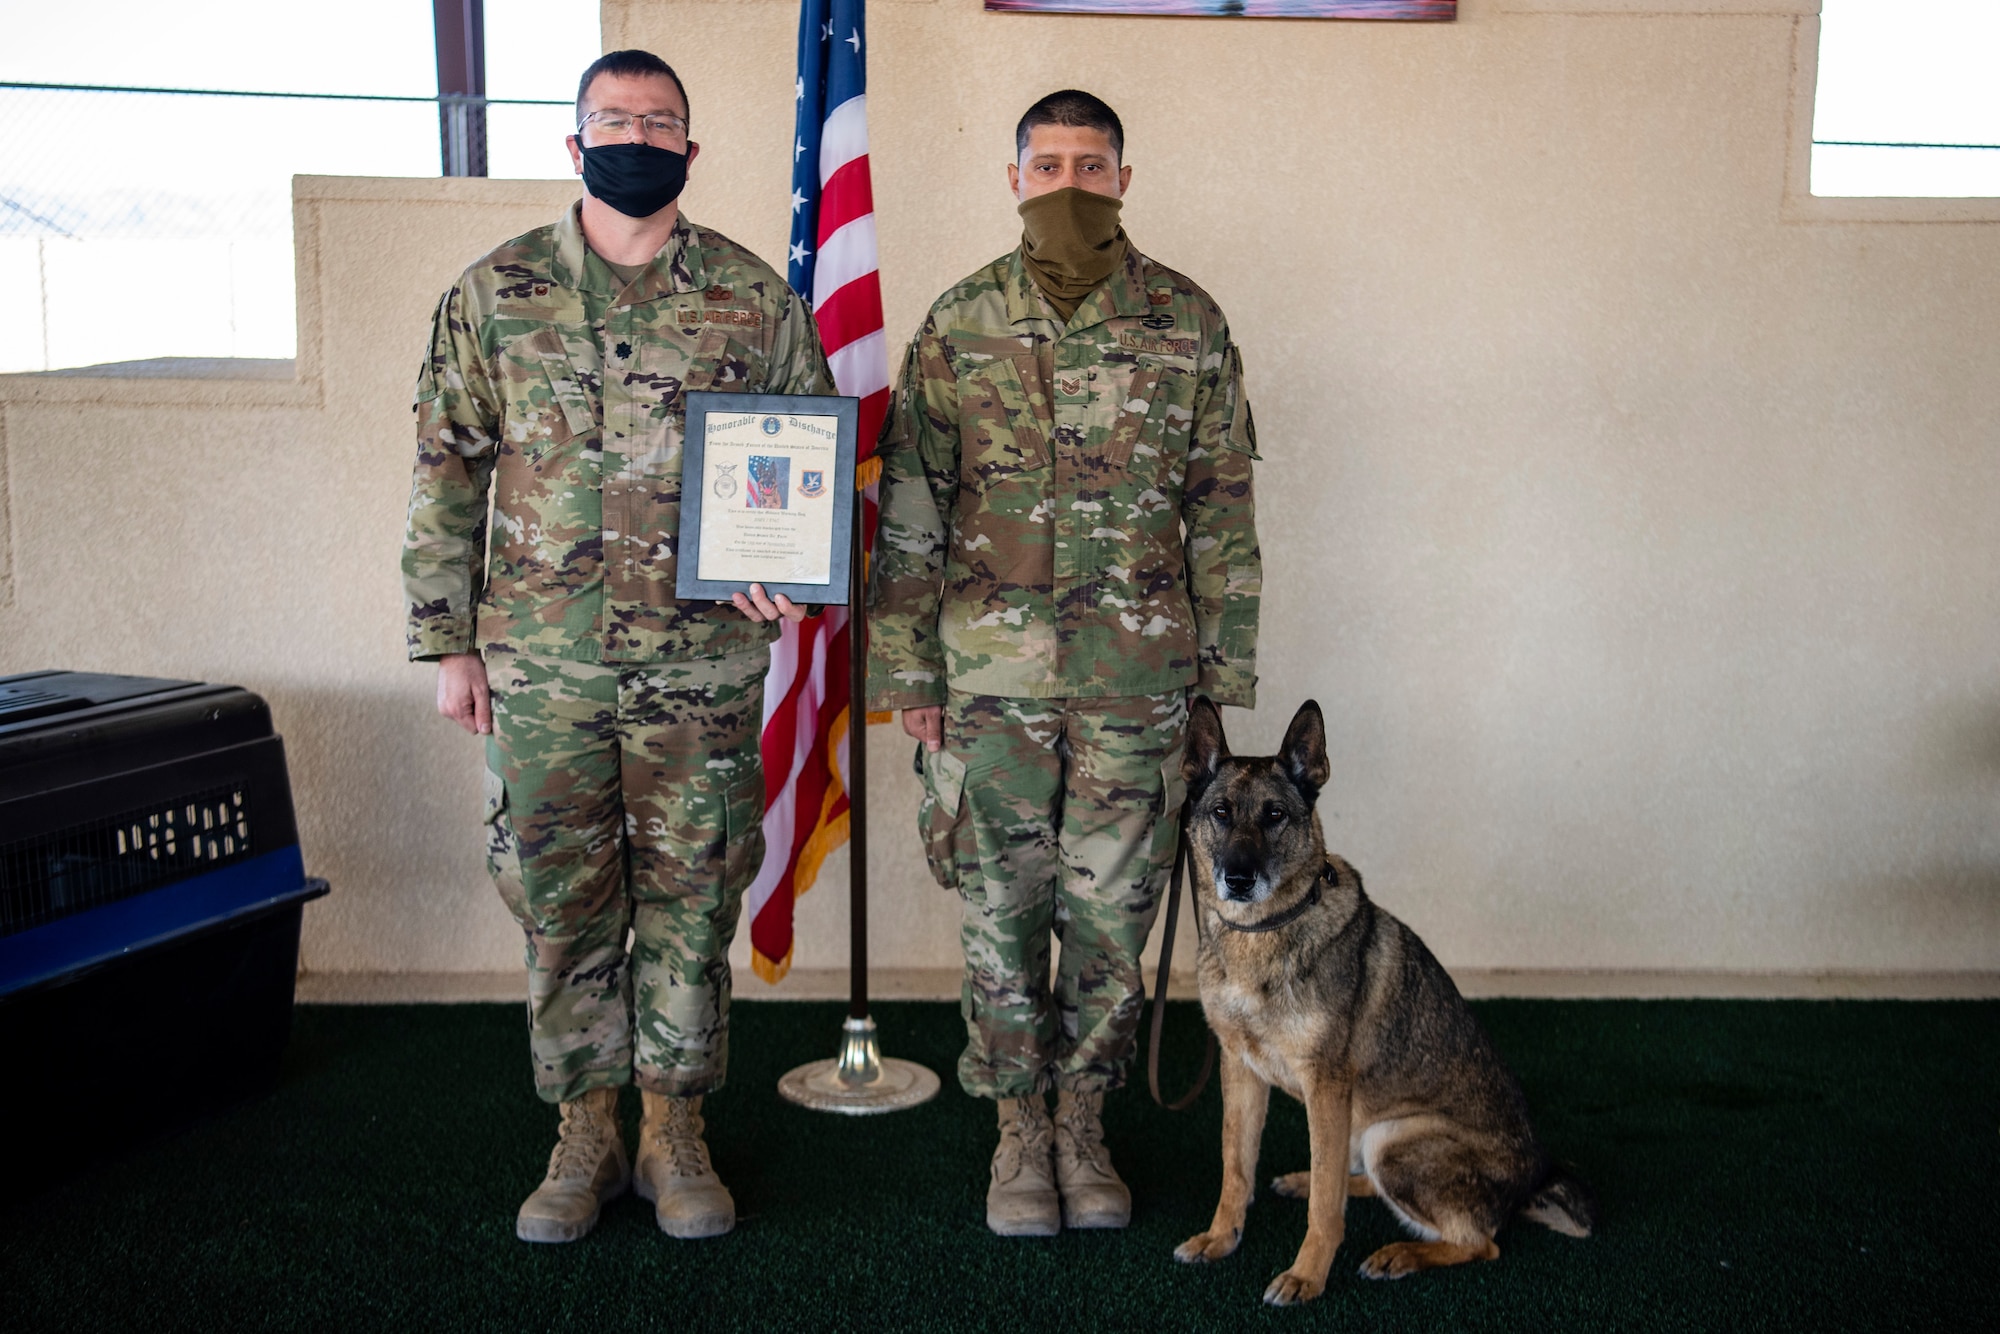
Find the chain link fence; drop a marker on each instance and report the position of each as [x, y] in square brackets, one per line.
[141, 223]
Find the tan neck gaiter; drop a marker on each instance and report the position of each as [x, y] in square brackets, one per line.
[1071, 242]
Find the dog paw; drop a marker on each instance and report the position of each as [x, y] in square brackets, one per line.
[1289, 1289]
[1293, 1185]
[1206, 1246]
[1396, 1260]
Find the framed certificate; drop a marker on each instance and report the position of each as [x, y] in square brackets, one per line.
[767, 496]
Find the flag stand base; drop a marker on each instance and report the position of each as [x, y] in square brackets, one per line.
[859, 1081]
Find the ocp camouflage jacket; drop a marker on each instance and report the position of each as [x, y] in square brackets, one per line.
[1066, 510]
[558, 389]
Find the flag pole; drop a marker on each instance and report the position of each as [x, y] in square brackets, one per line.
[860, 1080]
[857, 767]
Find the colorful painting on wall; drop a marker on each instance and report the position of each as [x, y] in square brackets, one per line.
[1434, 11]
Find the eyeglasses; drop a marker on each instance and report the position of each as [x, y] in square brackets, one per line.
[609, 126]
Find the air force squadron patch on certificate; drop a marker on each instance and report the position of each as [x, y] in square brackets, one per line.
[812, 483]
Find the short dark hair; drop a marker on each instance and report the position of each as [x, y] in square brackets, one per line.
[1072, 106]
[631, 62]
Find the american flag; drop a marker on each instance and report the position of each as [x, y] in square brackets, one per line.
[833, 265]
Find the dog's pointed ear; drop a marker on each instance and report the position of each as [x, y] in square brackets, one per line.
[1206, 749]
[1304, 752]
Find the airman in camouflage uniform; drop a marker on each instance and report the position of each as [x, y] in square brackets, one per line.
[1067, 545]
[624, 787]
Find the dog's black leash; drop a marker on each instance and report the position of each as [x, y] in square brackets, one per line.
[1163, 973]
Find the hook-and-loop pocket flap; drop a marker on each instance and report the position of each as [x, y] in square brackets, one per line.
[1000, 433]
[565, 389]
[1138, 416]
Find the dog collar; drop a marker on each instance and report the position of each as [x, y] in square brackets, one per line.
[1291, 914]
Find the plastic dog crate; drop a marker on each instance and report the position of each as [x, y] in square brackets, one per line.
[150, 891]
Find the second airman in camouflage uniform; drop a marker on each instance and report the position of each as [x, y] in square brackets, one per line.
[1067, 545]
[624, 792]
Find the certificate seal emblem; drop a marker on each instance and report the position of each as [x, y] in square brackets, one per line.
[725, 484]
[771, 426]
[812, 483]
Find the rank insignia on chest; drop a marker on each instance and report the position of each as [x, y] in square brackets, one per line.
[1160, 298]
[1069, 386]
[718, 293]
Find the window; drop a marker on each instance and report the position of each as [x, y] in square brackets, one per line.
[535, 50]
[136, 225]
[1899, 80]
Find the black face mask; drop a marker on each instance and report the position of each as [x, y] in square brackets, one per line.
[636, 179]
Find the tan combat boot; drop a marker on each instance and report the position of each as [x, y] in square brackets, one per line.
[673, 1170]
[1022, 1202]
[586, 1169]
[1092, 1194]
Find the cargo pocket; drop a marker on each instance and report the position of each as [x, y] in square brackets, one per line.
[1153, 421]
[1138, 416]
[666, 374]
[651, 507]
[712, 369]
[743, 814]
[503, 850]
[1000, 434]
[941, 812]
[547, 407]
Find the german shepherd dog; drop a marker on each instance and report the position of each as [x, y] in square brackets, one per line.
[1311, 987]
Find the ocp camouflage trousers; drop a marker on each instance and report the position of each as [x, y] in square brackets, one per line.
[626, 801]
[1053, 818]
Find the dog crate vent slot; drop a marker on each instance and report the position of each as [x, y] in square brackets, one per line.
[102, 861]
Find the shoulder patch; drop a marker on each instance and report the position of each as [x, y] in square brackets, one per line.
[1166, 347]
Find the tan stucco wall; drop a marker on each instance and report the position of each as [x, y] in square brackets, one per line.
[1631, 516]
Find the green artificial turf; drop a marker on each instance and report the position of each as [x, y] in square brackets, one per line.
[1760, 1166]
